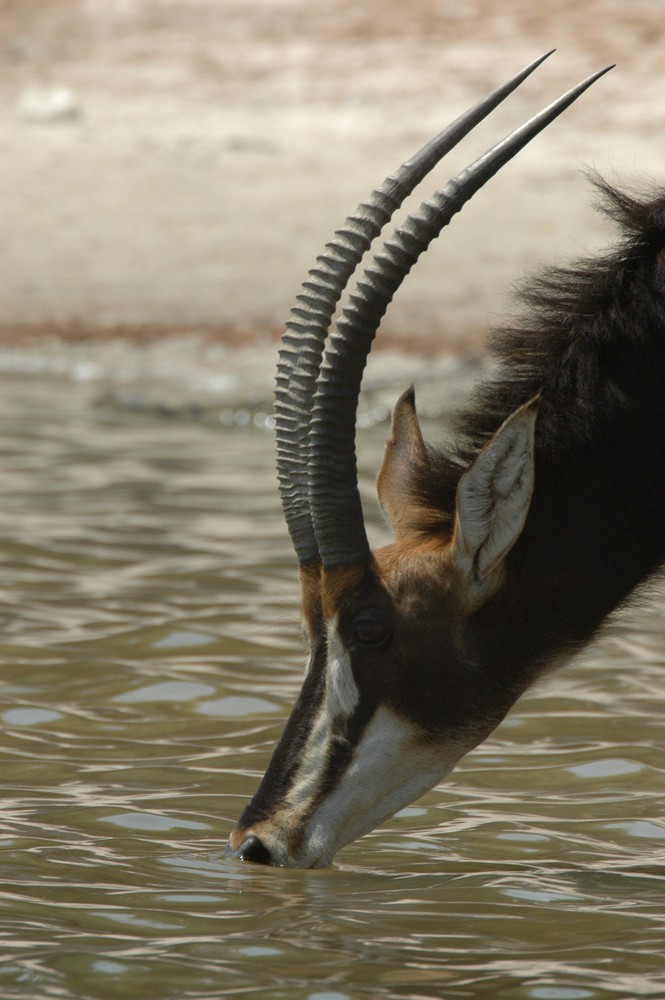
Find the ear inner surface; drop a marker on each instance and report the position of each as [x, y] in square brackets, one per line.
[494, 494]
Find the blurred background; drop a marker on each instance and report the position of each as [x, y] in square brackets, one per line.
[172, 167]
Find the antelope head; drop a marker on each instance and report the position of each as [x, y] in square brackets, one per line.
[398, 684]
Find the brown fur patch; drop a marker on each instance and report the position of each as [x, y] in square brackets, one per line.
[339, 584]
[310, 585]
[408, 552]
[420, 557]
[421, 571]
[418, 553]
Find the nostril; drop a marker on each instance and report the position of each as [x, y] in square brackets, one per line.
[252, 849]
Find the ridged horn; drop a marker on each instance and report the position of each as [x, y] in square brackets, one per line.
[306, 330]
[334, 497]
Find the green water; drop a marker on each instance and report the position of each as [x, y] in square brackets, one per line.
[150, 652]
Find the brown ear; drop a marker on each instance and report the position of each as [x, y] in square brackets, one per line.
[405, 456]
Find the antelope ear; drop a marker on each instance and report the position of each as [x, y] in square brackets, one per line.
[405, 453]
[493, 498]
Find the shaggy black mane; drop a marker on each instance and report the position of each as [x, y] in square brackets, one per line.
[591, 344]
[590, 341]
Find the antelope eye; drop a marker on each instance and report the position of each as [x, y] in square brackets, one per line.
[370, 628]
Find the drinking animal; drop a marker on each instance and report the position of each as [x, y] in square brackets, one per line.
[511, 547]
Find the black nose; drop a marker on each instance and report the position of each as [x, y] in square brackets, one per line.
[252, 849]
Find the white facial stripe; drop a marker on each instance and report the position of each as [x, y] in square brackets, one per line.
[312, 762]
[388, 771]
[390, 767]
[341, 697]
[342, 692]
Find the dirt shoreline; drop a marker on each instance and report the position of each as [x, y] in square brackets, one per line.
[175, 167]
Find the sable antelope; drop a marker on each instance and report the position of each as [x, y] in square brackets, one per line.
[511, 548]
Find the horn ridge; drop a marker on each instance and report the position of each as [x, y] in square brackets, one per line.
[304, 338]
[335, 500]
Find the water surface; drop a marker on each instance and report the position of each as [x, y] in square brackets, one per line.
[150, 653]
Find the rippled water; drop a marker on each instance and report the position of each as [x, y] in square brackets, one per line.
[150, 652]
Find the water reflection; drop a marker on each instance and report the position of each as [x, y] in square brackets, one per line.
[150, 652]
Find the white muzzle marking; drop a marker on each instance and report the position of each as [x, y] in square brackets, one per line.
[390, 767]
